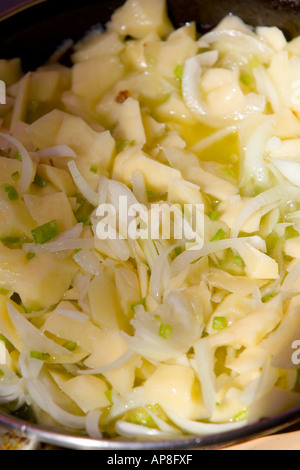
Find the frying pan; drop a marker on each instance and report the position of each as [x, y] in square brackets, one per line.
[33, 31]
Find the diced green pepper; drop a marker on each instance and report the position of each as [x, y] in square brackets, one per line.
[142, 418]
[220, 235]
[39, 356]
[16, 176]
[70, 345]
[94, 170]
[238, 261]
[46, 232]
[246, 80]
[39, 181]
[9, 346]
[214, 215]
[242, 416]
[219, 323]
[11, 192]
[109, 397]
[165, 330]
[178, 72]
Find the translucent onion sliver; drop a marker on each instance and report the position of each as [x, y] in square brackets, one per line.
[27, 164]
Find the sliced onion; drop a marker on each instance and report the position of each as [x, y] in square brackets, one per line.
[73, 314]
[190, 87]
[266, 87]
[262, 385]
[289, 169]
[90, 195]
[190, 256]
[159, 273]
[253, 103]
[288, 285]
[113, 366]
[203, 429]
[88, 261]
[204, 367]
[139, 187]
[126, 429]
[81, 285]
[92, 424]
[61, 245]
[239, 285]
[28, 169]
[254, 163]
[162, 425]
[10, 393]
[279, 194]
[248, 44]
[60, 241]
[58, 151]
[209, 58]
[128, 402]
[30, 368]
[73, 232]
[32, 338]
[42, 397]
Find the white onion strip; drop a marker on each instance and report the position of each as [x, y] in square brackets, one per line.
[41, 396]
[126, 429]
[190, 87]
[279, 194]
[83, 186]
[112, 366]
[159, 273]
[92, 424]
[190, 256]
[60, 245]
[203, 429]
[58, 151]
[254, 163]
[28, 169]
[204, 367]
[73, 232]
[289, 284]
[249, 44]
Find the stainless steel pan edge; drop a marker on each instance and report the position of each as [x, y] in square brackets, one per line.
[65, 440]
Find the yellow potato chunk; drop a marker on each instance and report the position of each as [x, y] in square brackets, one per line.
[131, 126]
[7, 329]
[94, 77]
[83, 333]
[109, 347]
[16, 220]
[103, 298]
[43, 132]
[133, 160]
[87, 391]
[45, 280]
[137, 18]
[175, 389]
[52, 207]
[60, 178]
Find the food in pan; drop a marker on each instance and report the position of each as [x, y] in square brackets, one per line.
[110, 332]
